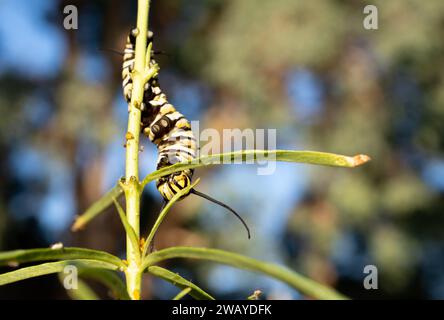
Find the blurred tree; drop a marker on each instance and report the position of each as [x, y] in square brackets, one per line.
[381, 93]
[307, 68]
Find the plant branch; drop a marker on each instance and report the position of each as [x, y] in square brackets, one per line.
[132, 186]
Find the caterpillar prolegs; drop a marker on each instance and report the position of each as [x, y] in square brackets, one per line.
[167, 128]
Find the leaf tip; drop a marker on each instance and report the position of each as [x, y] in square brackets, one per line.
[77, 225]
[255, 296]
[359, 160]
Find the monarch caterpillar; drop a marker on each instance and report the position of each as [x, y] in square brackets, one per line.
[167, 128]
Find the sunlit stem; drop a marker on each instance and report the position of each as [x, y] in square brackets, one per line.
[132, 187]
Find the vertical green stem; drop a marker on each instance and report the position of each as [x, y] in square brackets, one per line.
[132, 186]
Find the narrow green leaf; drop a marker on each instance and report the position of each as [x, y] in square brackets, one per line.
[96, 208]
[128, 229]
[310, 157]
[51, 267]
[15, 257]
[304, 285]
[182, 294]
[108, 278]
[163, 214]
[196, 292]
[82, 292]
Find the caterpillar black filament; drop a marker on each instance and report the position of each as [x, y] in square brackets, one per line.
[167, 128]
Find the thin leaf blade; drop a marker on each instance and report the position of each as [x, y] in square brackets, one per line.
[163, 214]
[82, 292]
[128, 228]
[16, 257]
[182, 293]
[108, 278]
[51, 267]
[299, 282]
[175, 279]
[308, 157]
[97, 208]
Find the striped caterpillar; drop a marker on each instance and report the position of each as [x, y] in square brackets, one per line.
[167, 128]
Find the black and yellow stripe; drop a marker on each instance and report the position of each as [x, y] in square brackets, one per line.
[162, 124]
[167, 128]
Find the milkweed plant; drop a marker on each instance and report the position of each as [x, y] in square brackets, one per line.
[124, 276]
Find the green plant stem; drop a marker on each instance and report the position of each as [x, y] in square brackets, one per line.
[132, 186]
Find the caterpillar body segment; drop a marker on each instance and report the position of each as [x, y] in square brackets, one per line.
[166, 127]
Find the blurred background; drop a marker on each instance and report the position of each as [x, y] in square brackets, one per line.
[306, 68]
